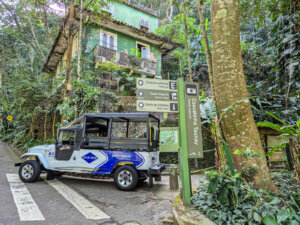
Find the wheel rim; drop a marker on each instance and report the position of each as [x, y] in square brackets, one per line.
[27, 171]
[125, 178]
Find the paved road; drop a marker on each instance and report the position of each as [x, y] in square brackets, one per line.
[59, 202]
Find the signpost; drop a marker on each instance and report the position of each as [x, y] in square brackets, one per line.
[193, 120]
[155, 95]
[185, 177]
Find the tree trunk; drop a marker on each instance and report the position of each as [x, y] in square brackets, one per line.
[295, 152]
[69, 54]
[47, 25]
[53, 125]
[206, 46]
[31, 130]
[170, 11]
[187, 42]
[180, 67]
[69, 49]
[0, 84]
[218, 142]
[35, 37]
[79, 40]
[238, 126]
[45, 127]
[2, 107]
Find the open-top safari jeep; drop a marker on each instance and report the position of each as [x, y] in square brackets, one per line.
[122, 145]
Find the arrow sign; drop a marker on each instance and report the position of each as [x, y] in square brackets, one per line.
[155, 95]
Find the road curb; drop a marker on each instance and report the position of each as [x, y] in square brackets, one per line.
[188, 216]
[9, 148]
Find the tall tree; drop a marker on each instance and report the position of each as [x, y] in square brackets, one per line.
[187, 41]
[79, 40]
[238, 126]
[69, 50]
[206, 46]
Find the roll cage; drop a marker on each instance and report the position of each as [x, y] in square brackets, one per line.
[127, 131]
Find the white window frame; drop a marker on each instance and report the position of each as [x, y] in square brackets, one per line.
[109, 34]
[141, 18]
[147, 46]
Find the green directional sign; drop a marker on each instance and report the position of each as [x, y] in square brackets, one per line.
[147, 94]
[193, 121]
[156, 95]
[156, 84]
[156, 106]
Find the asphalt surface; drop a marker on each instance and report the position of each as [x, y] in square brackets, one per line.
[145, 206]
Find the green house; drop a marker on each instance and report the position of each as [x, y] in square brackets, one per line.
[121, 34]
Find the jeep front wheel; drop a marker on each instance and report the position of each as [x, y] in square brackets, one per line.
[30, 171]
[126, 178]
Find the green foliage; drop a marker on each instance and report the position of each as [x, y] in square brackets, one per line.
[175, 30]
[108, 66]
[228, 157]
[207, 109]
[271, 57]
[284, 128]
[225, 186]
[26, 91]
[231, 198]
[83, 99]
[253, 206]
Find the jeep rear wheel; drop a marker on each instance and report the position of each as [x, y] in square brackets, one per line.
[30, 171]
[126, 178]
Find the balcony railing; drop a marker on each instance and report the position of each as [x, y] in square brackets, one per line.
[142, 65]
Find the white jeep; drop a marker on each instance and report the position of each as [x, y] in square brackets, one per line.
[122, 145]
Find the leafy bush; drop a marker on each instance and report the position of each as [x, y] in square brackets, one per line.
[231, 200]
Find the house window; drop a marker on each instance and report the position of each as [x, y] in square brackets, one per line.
[104, 40]
[111, 42]
[144, 24]
[108, 40]
[143, 50]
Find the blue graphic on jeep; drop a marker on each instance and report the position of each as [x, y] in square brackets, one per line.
[89, 157]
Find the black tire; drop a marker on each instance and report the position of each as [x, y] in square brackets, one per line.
[33, 171]
[126, 178]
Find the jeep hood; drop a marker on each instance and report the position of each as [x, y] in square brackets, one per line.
[40, 148]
